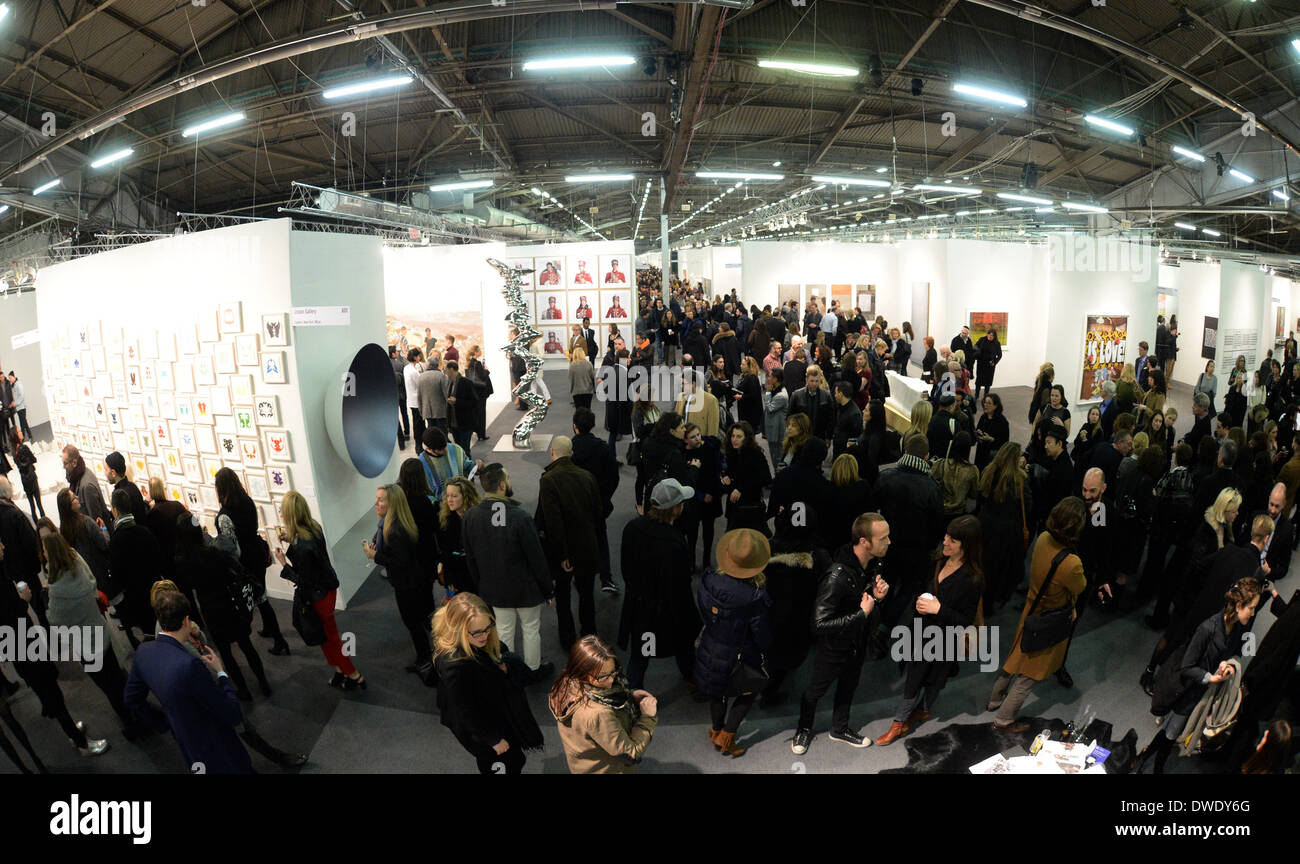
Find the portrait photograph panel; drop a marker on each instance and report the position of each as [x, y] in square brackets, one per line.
[582, 271]
[616, 307]
[614, 270]
[549, 273]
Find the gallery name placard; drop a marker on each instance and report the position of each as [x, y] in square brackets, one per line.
[21, 340]
[322, 316]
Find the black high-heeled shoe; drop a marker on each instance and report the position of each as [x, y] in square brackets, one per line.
[350, 684]
[337, 680]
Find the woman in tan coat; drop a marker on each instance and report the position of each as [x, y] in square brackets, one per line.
[605, 726]
[1023, 668]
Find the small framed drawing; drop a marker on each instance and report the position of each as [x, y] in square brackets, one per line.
[114, 416]
[193, 469]
[133, 384]
[185, 440]
[161, 434]
[135, 417]
[275, 330]
[143, 486]
[187, 343]
[202, 411]
[223, 358]
[204, 373]
[141, 468]
[172, 465]
[271, 512]
[277, 478]
[174, 492]
[210, 469]
[148, 344]
[130, 441]
[241, 389]
[273, 367]
[220, 397]
[227, 445]
[184, 375]
[166, 405]
[192, 501]
[250, 451]
[167, 347]
[277, 446]
[156, 470]
[223, 423]
[184, 410]
[163, 374]
[267, 410]
[149, 374]
[148, 446]
[246, 350]
[208, 331]
[231, 317]
[205, 440]
[245, 421]
[258, 489]
[152, 406]
[208, 495]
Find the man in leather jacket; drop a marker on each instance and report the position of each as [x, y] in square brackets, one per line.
[846, 597]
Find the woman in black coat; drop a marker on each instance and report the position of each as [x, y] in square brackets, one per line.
[254, 553]
[656, 567]
[744, 475]
[749, 407]
[453, 565]
[792, 575]
[879, 445]
[1006, 510]
[704, 460]
[951, 599]
[992, 430]
[395, 548]
[419, 498]
[663, 454]
[803, 483]
[214, 576]
[480, 698]
[736, 627]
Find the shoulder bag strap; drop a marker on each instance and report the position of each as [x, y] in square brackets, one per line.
[1056, 562]
[1024, 523]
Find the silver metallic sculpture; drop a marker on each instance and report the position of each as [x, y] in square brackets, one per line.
[518, 347]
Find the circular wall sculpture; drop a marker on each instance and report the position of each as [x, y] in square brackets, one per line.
[361, 410]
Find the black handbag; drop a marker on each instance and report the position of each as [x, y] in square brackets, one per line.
[746, 679]
[1045, 629]
[306, 621]
[633, 457]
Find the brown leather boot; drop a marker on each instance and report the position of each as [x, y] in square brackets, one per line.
[713, 736]
[896, 730]
[727, 743]
[917, 717]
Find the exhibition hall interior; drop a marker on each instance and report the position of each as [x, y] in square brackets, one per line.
[721, 387]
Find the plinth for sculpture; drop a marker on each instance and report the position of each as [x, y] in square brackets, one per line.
[519, 347]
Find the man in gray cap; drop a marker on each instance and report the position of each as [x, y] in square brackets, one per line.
[115, 468]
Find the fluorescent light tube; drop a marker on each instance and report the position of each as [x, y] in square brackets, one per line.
[1103, 123]
[1027, 199]
[596, 178]
[1185, 226]
[1087, 208]
[1189, 154]
[215, 123]
[45, 187]
[366, 86]
[962, 213]
[1241, 175]
[739, 175]
[1281, 194]
[112, 157]
[810, 68]
[4, 208]
[990, 95]
[587, 62]
[955, 190]
[851, 181]
[1211, 232]
[462, 184]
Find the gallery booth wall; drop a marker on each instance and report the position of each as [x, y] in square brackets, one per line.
[192, 315]
[18, 324]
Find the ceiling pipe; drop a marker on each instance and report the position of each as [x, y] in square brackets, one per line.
[338, 33]
[1048, 18]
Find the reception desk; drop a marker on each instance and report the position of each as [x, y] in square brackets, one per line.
[904, 393]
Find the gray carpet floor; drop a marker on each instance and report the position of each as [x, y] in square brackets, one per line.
[393, 726]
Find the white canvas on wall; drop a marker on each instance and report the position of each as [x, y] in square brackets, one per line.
[220, 399]
[205, 439]
[223, 358]
[258, 489]
[187, 342]
[184, 375]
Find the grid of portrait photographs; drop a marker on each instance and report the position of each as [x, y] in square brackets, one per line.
[568, 290]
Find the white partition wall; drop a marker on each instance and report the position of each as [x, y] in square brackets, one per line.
[1199, 287]
[767, 264]
[18, 319]
[1245, 321]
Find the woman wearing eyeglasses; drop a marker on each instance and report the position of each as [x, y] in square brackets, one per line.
[478, 700]
[604, 724]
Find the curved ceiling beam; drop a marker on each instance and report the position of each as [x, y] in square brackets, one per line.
[327, 37]
[1048, 18]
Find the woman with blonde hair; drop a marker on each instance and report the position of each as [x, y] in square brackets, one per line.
[306, 563]
[582, 378]
[1127, 391]
[851, 496]
[605, 725]
[478, 700]
[395, 549]
[922, 414]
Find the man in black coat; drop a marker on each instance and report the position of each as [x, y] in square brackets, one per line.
[945, 424]
[1222, 478]
[988, 354]
[962, 342]
[463, 406]
[115, 468]
[22, 559]
[1278, 546]
[590, 335]
[1058, 482]
[776, 327]
[842, 620]
[594, 455]
[135, 561]
[814, 401]
[848, 418]
[570, 513]
[1200, 421]
[912, 502]
[1108, 454]
[1164, 345]
[795, 372]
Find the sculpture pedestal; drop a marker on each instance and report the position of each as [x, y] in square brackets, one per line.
[537, 444]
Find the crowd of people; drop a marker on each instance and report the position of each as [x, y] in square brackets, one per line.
[838, 527]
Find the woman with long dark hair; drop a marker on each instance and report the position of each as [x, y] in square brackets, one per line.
[951, 599]
[1006, 514]
[254, 553]
[453, 566]
[991, 431]
[419, 499]
[478, 699]
[749, 407]
[744, 474]
[86, 538]
[395, 548]
[605, 724]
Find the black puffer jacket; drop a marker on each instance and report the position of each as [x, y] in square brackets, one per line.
[792, 580]
[736, 624]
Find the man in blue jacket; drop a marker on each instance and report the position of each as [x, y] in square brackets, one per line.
[202, 714]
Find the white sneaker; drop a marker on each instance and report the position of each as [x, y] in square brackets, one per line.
[94, 747]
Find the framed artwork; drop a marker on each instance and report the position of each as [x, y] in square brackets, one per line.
[981, 322]
[119, 389]
[156, 470]
[102, 387]
[550, 308]
[162, 435]
[552, 346]
[208, 329]
[133, 383]
[219, 397]
[88, 364]
[174, 492]
[527, 281]
[615, 306]
[245, 421]
[141, 466]
[185, 440]
[579, 306]
[210, 469]
[223, 358]
[148, 345]
[271, 514]
[224, 423]
[273, 371]
[172, 464]
[166, 380]
[204, 373]
[116, 368]
[549, 273]
[246, 350]
[82, 338]
[112, 339]
[147, 444]
[530, 300]
[202, 410]
[267, 410]
[277, 478]
[94, 336]
[167, 347]
[275, 330]
[184, 375]
[205, 440]
[130, 349]
[152, 406]
[231, 317]
[166, 405]
[277, 445]
[135, 417]
[114, 416]
[208, 495]
[192, 501]
[614, 270]
[227, 445]
[184, 410]
[187, 342]
[193, 469]
[105, 440]
[581, 269]
[149, 374]
[250, 451]
[258, 489]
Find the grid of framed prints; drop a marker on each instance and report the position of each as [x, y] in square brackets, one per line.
[564, 291]
[181, 404]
